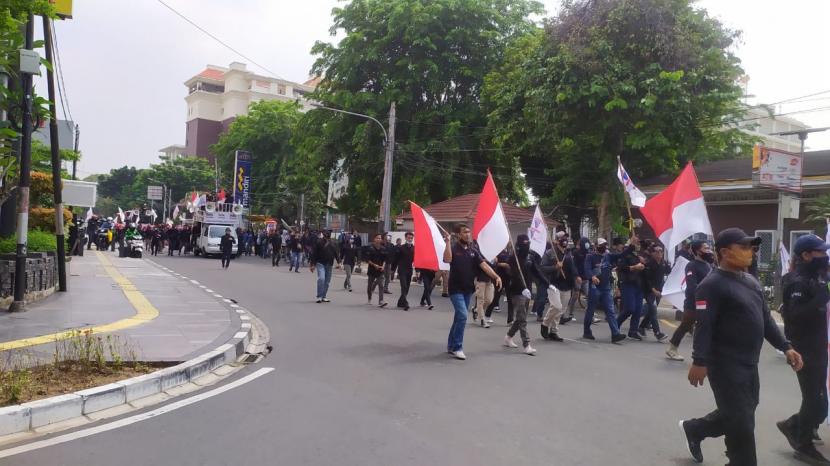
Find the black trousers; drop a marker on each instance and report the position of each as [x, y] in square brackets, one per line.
[813, 410]
[686, 326]
[226, 259]
[736, 389]
[429, 283]
[275, 256]
[405, 277]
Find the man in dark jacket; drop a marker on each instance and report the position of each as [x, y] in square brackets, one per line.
[654, 277]
[696, 271]
[558, 264]
[520, 294]
[226, 246]
[405, 256]
[540, 281]
[375, 257]
[598, 264]
[805, 296]
[502, 268]
[276, 246]
[733, 322]
[630, 274]
[348, 254]
[323, 255]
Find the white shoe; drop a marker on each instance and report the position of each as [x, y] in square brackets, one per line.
[673, 354]
[485, 324]
[508, 342]
[459, 355]
[489, 320]
[530, 351]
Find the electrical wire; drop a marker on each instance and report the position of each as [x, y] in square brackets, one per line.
[64, 96]
[206, 32]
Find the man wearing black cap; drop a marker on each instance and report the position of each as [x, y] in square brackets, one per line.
[733, 321]
[805, 324]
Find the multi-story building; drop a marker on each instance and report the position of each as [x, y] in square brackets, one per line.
[759, 121]
[218, 95]
[170, 153]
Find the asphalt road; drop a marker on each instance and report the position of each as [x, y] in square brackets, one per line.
[358, 385]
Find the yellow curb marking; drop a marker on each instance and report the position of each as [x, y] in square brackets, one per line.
[666, 322]
[145, 312]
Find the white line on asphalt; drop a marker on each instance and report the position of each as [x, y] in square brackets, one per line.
[133, 419]
[208, 290]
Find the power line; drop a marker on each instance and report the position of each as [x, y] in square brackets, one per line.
[64, 96]
[206, 32]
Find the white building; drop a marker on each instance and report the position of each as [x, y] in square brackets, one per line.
[170, 153]
[758, 122]
[218, 95]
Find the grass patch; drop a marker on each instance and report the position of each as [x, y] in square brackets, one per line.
[83, 360]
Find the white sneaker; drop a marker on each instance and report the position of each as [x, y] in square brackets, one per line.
[485, 324]
[459, 355]
[530, 351]
[508, 342]
[489, 320]
[673, 354]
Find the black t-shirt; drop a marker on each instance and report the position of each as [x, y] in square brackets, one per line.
[376, 256]
[463, 268]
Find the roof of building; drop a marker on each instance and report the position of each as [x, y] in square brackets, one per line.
[313, 82]
[211, 73]
[463, 208]
[816, 163]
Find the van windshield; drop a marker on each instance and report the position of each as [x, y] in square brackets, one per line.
[216, 231]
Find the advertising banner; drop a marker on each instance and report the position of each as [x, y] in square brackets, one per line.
[242, 178]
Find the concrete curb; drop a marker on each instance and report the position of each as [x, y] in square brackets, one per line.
[36, 414]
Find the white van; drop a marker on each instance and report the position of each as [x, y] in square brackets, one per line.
[208, 242]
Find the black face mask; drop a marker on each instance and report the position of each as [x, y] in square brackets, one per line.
[602, 249]
[818, 264]
[523, 248]
[563, 244]
[708, 257]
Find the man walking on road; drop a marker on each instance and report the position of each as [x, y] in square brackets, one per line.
[276, 246]
[519, 294]
[598, 265]
[733, 321]
[295, 249]
[348, 254]
[375, 257]
[563, 275]
[805, 296]
[464, 261]
[226, 246]
[323, 255]
[405, 256]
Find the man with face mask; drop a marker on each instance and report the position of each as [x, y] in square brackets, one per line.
[805, 297]
[405, 256]
[598, 265]
[696, 271]
[519, 295]
[563, 274]
[733, 322]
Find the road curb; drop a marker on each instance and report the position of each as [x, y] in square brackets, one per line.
[25, 417]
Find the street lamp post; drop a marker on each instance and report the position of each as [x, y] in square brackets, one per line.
[389, 143]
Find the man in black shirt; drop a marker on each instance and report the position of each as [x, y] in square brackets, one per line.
[805, 298]
[696, 271]
[348, 254]
[559, 265]
[405, 256]
[276, 245]
[226, 246]
[375, 257]
[654, 277]
[464, 261]
[323, 255]
[630, 274]
[733, 321]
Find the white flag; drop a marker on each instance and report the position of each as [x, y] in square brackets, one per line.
[674, 290]
[88, 214]
[827, 235]
[785, 258]
[538, 233]
[176, 212]
[153, 214]
[637, 197]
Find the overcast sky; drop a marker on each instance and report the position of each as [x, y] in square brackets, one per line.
[125, 61]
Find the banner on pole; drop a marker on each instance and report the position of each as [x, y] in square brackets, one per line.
[242, 178]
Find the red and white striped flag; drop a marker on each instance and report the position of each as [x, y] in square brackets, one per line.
[490, 227]
[429, 243]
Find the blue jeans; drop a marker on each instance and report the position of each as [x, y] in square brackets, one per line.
[632, 303]
[295, 261]
[540, 300]
[606, 303]
[650, 317]
[323, 279]
[460, 302]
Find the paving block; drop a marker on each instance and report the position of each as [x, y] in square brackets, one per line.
[55, 409]
[15, 419]
[103, 397]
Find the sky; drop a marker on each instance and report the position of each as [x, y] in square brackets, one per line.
[124, 62]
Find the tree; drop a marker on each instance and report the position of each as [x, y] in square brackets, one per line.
[430, 58]
[266, 132]
[118, 185]
[181, 175]
[651, 81]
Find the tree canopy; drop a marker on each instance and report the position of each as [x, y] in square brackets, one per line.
[651, 81]
[430, 58]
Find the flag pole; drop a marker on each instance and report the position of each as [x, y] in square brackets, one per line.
[513, 246]
[627, 204]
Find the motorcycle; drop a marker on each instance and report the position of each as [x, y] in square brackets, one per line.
[135, 248]
[101, 241]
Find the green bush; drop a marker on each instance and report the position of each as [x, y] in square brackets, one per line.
[39, 241]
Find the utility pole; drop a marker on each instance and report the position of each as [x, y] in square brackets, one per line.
[216, 177]
[25, 179]
[302, 210]
[386, 195]
[56, 160]
[75, 162]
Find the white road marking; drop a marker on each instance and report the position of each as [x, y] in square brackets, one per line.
[133, 419]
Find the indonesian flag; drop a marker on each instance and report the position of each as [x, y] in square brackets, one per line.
[674, 290]
[637, 197]
[429, 243]
[490, 226]
[221, 196]
[194, 197]
[678, 212]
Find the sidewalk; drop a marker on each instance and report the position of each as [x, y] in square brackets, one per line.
[164, 317]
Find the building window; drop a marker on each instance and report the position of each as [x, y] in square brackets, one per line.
[281, 89]
[795, 234]
[766, 252]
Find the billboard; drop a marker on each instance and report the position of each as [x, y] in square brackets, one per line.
[155, 193]
[79, 193]
[777, 169]
[242, 178]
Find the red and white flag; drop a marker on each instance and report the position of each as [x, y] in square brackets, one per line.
[221, 196]
[194, 197]
[429, 243]
[490, 226]
[678, 212]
